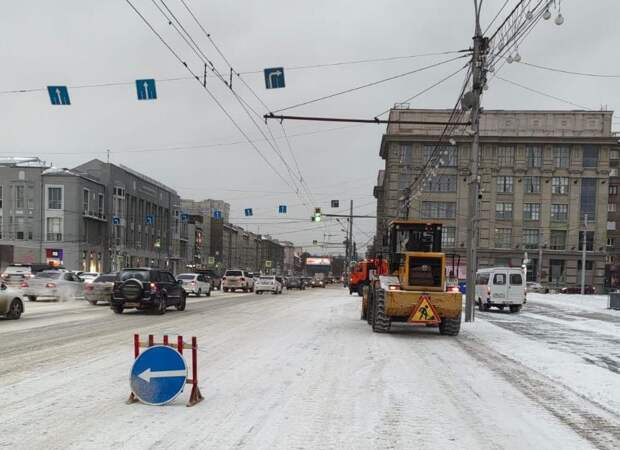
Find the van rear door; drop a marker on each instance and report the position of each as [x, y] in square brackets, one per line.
[499, 287]
[516, 288]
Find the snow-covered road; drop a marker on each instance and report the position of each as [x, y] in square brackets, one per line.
[301, 370]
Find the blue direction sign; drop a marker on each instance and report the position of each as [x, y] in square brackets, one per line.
[116, 220]
[59, 95]
[149, 219]
[248, 212]
[217, 214]
[158, 375]
[184, 217]
[282, 209]
[274, 78]
[146, 89]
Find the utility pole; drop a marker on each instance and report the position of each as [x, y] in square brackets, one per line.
[584, 245]
[350, 238]
[540, 259]
[474, 182]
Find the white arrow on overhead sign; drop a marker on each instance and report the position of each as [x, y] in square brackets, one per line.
[146, 90]
[148, 374]
[277, 73]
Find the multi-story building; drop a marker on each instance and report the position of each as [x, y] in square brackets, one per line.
[613, 221]
[544, 178]
[145, 225]
[206, 209]
[51, 215]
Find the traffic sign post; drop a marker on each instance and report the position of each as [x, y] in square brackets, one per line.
[217, 214]
[274, 78]
[282, 209]
[159, 373]
[248, 212]
[59, 95]
[146, 89]
[149, 219]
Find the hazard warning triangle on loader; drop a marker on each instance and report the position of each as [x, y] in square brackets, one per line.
[424, 312]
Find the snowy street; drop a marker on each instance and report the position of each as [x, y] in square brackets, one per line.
[301, 370]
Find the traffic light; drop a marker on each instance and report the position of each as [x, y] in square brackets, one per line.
[316, 217]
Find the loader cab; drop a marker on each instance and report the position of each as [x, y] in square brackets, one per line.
[415, 255]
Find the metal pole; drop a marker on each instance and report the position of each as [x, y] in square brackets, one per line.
[583, 254]
[540, 259]
[472, 216]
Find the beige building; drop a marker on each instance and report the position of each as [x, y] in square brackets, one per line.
[541, 173]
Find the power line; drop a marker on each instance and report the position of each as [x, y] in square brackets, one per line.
[496, 16]
[374, 83]
[527, 88]
[569, 72]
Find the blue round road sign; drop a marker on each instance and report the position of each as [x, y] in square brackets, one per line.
[158, 375]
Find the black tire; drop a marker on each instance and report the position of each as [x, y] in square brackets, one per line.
[259, 292]
[515, 308]
[350, 291]
[380, 323]
[182, 303]
[32, 298]
[225, 289]
[118, 309]
[199, 293]
[450, 327]
[501, 307]
[209, 293]
[162, 303]
[92, 302]
[16, 308]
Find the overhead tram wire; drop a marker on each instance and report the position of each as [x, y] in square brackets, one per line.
[568, 72]
[211, 95]
[227, 61]
[495, 18]
[527, 88]
[374, 83]
[185, 35]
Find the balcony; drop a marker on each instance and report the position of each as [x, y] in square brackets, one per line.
[56, 237]
[94, 215]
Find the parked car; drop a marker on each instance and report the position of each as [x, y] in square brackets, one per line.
[100, 289]
[537, 288]
[500, 287]
[216, 279]
[146, 288]
[295, 283]
[307, 281]
[195, 283]
[11, 304]
[237, 279]
[87, 277]
[318, 282]
[590, 290]
[52, 285]
[14, 274]
[268, 283]
[282, 281]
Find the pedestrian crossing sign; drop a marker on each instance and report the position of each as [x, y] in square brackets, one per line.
[424, 311]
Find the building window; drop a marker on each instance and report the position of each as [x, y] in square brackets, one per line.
[503, 237]
[611, 242]
[54, 229]
[534, 157]
[406, 152]
[530, 238]
[588, 198]
[558, 240]
[611, 207]
[100, 205]
[613, 172]
[448, 237]
[19, 228]
[439, 210]
[505, 156]
[20, 200]
[611, 226]
[613, 190]
[559, 212]
[589, 240]
[86, 201]
[590, 156]
[446, 156]
[54, 198]
[531, 211]
[559, 185]
[0, 196]
[561, 157]
[441, 183]
[503, 211]
[589, 265]
[504, 185]
[614, 154]
[532, 185]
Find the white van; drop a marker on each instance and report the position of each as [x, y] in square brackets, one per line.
[500, 287]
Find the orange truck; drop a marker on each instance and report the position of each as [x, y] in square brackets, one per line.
[362, 271]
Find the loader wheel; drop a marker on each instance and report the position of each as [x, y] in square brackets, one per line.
[450, 327]
[380, 322]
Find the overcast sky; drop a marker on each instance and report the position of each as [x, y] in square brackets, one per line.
[81, 42]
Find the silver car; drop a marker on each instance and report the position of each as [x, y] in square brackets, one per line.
[11, 305]
[100, 289]
[195, 283]
[53, 285]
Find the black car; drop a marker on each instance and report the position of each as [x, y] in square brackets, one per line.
[216, 280]
[295, 283]
[145, 288]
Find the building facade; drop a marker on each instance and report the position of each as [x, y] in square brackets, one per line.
[544, 178]
[613, 221]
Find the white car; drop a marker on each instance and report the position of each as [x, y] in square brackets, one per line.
[237, 279]
[268, 284]
[195, 283]
[88, 277]
[11, 304]
[53, 284]
[500, 287]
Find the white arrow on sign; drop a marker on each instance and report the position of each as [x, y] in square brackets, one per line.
[148, 374]
[277, 73]
[146, 90]
[58, 94]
